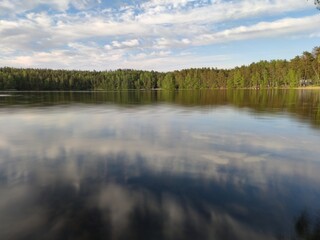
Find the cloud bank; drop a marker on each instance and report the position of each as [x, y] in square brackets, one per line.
[155, 34]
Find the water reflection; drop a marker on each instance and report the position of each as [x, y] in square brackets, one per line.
[307, 226]
[85, 167]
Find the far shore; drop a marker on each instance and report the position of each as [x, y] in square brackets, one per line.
[308, 87]
[160, 89]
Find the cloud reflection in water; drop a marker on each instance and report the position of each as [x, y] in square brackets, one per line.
[157, 172]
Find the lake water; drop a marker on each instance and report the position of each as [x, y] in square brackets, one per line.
[160, 165]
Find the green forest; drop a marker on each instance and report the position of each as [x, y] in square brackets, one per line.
[300, 71]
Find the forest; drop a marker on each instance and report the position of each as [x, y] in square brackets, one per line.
[300, 71]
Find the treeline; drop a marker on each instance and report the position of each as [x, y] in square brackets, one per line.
[46, 79]
[301, 70]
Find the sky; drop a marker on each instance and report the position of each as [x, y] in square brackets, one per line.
[161, 35]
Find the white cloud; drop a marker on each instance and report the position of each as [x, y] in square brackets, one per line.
[156, 29]
[282, 27]
[124, 44]
[131, 43]
[11, 7]
[218, 11]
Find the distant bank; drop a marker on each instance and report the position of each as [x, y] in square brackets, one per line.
[301, 71]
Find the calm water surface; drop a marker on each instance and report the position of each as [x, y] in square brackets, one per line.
[156, 165]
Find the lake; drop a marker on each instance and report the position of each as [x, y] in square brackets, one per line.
[160, 165]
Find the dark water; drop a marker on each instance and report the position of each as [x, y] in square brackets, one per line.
[156, 165]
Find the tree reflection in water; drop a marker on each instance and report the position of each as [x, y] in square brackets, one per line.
[307, 226]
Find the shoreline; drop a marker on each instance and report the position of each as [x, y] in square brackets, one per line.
[308, 87]
[159, 89]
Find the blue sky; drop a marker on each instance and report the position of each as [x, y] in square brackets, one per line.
[154, 34]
